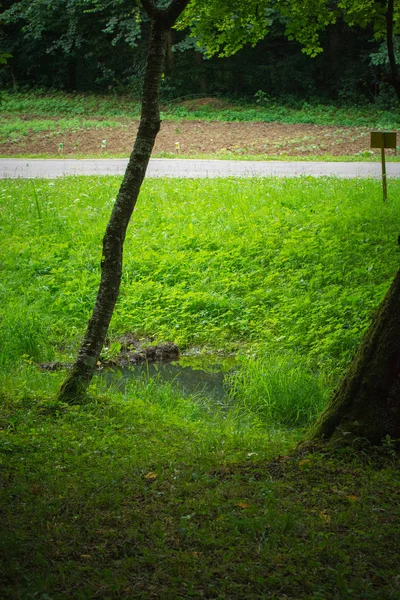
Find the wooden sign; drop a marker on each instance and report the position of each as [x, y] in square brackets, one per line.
[383, 139]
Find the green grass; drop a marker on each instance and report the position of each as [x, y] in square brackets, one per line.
[277, 269]
[277, 390]
[74, 105]
[307, 113]
[144, 493]
[291, 265]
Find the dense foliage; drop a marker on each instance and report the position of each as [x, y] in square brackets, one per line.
[86, 45]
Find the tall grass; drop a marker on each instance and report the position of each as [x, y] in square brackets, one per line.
[74, 105]
[278, 390]
[289, 265]
[22, 336]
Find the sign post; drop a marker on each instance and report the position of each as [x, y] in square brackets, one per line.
[382, 140]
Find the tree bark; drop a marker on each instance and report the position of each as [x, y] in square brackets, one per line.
[82, 371]
[366, 404]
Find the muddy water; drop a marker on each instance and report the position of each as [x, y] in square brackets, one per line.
[203, 376]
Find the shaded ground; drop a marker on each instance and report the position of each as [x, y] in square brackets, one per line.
[115, 500]
[196, 138]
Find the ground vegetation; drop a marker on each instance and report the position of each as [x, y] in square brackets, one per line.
[265, 268]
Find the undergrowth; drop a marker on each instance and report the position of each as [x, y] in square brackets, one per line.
[293, 265]
[118, 499]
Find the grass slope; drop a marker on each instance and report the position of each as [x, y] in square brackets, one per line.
[291, 265]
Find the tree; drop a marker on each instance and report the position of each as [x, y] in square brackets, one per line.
[4, 57]
[225, 27]
[385, 18]
[82, 371]
[101, 45]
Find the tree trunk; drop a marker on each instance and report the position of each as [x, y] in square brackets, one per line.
[170, 54]
[82, 371]
[366, 404]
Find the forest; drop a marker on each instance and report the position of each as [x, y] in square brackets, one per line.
[199, 376]
[100, 46]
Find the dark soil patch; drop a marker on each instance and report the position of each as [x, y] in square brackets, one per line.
[200, 137]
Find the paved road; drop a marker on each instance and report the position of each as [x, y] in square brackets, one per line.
[162, 167]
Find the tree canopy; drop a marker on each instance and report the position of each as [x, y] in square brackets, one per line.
[101, 45]
[224, 28]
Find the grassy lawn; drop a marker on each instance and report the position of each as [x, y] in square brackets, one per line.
[147, 493]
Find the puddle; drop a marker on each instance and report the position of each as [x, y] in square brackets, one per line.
[203, 376]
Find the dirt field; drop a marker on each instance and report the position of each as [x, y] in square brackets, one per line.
[199, 138]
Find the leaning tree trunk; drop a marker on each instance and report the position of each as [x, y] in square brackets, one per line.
[366, 404]
[82, 371]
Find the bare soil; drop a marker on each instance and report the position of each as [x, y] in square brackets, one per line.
[199, 138]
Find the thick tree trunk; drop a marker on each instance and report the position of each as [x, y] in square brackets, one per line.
[111, 266]
[366, 404]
